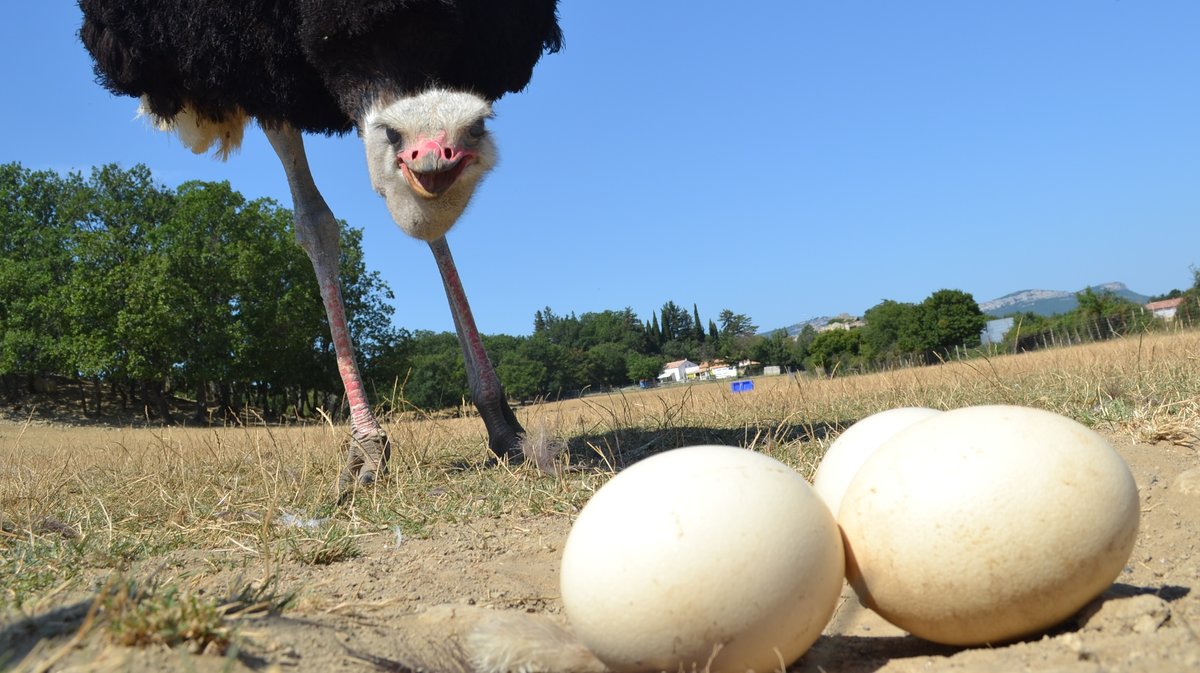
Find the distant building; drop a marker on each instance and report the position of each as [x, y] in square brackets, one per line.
[1165, 309]
[716, 369]
[844, 321]
[994, 331]
[749, 368]
[678, 371]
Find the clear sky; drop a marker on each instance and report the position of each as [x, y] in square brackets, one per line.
[781, 159]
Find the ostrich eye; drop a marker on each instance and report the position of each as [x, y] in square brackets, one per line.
[477, 130]
[393, 135]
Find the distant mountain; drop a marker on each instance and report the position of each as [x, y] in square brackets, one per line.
[795, 328]
[1051, 302]
[1040, 302]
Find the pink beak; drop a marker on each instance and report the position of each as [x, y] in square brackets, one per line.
[431, 166]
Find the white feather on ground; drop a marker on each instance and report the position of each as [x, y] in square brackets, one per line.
[468, 639]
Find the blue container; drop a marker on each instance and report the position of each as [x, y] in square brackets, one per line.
[741, 386]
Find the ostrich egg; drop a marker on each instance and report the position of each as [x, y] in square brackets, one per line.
[702, 558]
[853, 447]
[986, 524]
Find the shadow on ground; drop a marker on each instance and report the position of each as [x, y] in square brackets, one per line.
[621, 448]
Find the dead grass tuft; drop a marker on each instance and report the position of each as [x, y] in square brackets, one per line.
[335, 543]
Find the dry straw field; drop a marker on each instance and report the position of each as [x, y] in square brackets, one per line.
[223, 548]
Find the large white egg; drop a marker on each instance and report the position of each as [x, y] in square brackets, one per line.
[985, 524]
[853, 447]
[702, 558]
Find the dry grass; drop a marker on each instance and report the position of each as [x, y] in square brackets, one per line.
[135, 614]
[80, 503]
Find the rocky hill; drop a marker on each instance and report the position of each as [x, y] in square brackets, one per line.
[1040, 302]
[1051, 302]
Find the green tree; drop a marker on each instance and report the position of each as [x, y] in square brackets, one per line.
[737, 336]
[561, 330]
[951, 318]
[1106, 313]
[676, 349]
[34, 256]
[835, 350]
[777, 349]
[619, 327]
[641, 367]
[805, 338]
[120, 320]
[438, 378]
[1094, 305]
[891, 329]
[521, 377]
[1189, 311]
[676, 322]
[606, 364]
[563, 370]
[736, 324]
[654, 332]
[281, 326]
[194, 260]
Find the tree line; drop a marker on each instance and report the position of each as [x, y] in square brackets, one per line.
[146, 294]
[901, 332]
[143, 292]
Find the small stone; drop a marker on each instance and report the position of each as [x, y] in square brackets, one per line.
[1188, 483]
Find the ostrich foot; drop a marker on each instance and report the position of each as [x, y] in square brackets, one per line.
[509, 448]
[506, 437]
[367, 460]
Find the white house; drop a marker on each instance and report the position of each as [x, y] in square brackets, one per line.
[724, 372]
[678, 371]
[1165, 309]
[716, 369]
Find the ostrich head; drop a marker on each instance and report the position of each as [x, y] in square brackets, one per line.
[426, 154]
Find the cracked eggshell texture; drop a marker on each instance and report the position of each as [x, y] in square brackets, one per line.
[855, 445]
[986, 524]
[699, 550]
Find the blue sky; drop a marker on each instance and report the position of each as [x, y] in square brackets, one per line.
[781, 159]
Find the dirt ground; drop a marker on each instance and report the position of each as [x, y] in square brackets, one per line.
[377, 611]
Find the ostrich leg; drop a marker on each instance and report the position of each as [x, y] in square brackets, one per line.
[504, 432]
[318, 233]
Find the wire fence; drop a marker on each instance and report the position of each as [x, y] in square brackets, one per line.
[1090, 330]
[1021, 339]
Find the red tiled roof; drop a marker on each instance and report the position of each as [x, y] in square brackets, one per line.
[1165, 304]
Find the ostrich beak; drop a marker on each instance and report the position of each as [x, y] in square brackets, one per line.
[433, 167]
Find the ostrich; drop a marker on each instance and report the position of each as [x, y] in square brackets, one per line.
[415, 78]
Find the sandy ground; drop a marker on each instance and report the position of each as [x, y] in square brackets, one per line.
[378, 611]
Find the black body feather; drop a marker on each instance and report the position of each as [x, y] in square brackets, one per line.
[315, 64]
